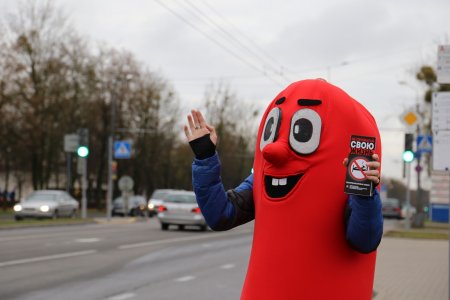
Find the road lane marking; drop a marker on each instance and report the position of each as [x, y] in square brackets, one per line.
[45, 258]
[185, 278]
[227, 266]
[181, 239]
[122, 296]
[87, 240]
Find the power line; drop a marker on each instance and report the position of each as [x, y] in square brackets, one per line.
[243, 35]
[232, 38]
[218, 43]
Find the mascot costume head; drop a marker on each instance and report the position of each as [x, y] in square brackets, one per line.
[299, 249]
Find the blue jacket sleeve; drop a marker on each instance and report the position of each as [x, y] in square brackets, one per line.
[222, 209]
[364, 222]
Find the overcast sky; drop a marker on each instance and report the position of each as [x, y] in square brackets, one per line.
[365, 47]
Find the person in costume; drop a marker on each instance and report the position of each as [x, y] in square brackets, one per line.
[310, 240]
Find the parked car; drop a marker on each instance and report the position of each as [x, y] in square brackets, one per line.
[156, 199]
[46, 204]
[136, 206]
[180, 208]
[391, 208]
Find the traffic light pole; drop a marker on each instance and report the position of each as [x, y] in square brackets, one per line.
[83, 189]
[408, 195]
[109, 195]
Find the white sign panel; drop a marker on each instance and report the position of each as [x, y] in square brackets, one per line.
[441, 150]
[443, 64]
[71, 142]
[440, 124]
[441, 111]
[440, 187]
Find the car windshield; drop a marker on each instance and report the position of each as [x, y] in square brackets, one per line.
[137, 200]
[41, 197]
[181, 198]
[391, 202]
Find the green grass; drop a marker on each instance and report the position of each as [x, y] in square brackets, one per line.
[415, 234]
[6, 224]
[7, 221]
[431, 231]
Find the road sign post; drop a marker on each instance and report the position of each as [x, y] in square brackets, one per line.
[71, 142]
[83, 188]
[126, 184]
[441, 118]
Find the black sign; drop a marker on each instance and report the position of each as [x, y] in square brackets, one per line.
[361, 150]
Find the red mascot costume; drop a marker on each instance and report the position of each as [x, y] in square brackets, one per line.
[299, 246]
[309, 237]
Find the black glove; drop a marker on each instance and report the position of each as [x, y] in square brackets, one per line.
[203, 147]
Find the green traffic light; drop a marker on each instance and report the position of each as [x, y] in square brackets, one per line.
[83, 151]
[408, 156]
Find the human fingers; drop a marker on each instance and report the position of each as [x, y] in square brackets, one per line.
[201, 119]
[345, 162]
[375, 179]
[195, 118]
[187, 132]
[373, 165]
[191, 123]
[213, 134]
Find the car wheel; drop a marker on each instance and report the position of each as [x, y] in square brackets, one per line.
[18, 218]
[180, 227]
[203, 227]
[55, 215]
[164, 226]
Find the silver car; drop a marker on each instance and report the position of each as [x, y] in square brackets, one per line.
[46, 204]
[180, 208]
[156, 200]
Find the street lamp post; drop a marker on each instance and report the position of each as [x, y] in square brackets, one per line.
[109, 195]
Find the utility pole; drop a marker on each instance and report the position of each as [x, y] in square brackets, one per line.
[110, 191]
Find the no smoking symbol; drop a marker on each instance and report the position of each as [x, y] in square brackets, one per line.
[357, 168]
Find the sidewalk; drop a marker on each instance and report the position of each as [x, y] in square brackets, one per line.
[410, 269]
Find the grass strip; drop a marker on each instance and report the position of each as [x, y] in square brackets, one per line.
[413, 234]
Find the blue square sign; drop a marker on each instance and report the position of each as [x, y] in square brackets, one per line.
[122, 149]
[424, 143]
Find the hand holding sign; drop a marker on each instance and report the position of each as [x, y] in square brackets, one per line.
[362, 172]
[373, 172]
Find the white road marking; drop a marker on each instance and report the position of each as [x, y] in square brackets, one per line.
[87, 240]
[227, 266]
[122, 296]
[44, 258]
[185, 278]
[181, 239]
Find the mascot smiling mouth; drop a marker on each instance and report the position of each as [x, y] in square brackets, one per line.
[277, 187]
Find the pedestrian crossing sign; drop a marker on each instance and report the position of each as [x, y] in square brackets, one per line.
[122, 149]
[424, 143]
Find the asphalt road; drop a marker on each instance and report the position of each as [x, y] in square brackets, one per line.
[118, 261]
[122, 261]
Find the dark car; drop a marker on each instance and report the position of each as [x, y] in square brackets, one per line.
[136, 206]
[391, 208]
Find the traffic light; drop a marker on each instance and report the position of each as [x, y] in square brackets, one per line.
[83, 145]
[408, 154]
[114, 170]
